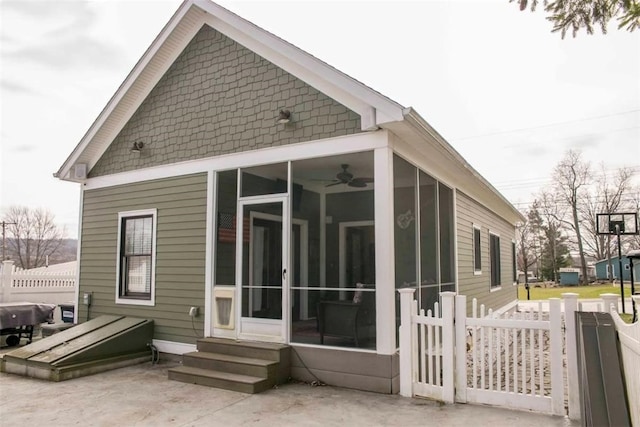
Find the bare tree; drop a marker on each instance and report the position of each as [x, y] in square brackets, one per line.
[554, 214]
[528, 241]
[634, 241]
[571, 177]
[608, 196]
[33, 235]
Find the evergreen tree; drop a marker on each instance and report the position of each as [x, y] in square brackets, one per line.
[555, 253]
[576, 14]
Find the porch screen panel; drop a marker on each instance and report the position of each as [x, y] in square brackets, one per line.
[429, 274]
[337, 306]
[404, 199]
[225, 251]
[267, 179]
[445, 212]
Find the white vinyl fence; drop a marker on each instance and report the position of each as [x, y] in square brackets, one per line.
[46, 285]
[629, 336]
[512, 360]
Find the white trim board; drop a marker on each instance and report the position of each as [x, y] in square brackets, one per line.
[300, 151]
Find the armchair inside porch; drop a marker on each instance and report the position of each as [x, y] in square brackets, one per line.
[352, 319]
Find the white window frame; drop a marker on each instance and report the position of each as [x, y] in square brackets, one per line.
[476, 271]
[129, 300]
[499, 285]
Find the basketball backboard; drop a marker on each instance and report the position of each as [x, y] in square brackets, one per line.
[609, 223]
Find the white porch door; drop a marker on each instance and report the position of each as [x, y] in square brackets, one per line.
[263, 273]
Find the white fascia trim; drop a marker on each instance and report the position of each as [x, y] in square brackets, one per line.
[304, 150]
[64, 171]
[173, 347]
[154, 229]
[373, 107]
[415, 157]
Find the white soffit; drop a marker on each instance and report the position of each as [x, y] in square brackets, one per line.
[374, 108]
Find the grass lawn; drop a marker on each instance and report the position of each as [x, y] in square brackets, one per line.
[589, 291]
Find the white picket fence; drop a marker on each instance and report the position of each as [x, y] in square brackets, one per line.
[512, 360]
[508, 358]
[49, 285]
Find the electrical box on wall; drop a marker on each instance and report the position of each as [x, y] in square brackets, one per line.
[193, 311]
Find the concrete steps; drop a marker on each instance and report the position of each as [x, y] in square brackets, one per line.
[244, 366]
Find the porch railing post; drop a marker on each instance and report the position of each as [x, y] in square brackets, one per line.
[406, 350]
[555, 333]
[448, 352]
[461, 349]
[570, 308]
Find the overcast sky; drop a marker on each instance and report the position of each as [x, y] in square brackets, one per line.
[506, 93]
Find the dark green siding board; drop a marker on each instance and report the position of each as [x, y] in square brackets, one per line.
[180, 251]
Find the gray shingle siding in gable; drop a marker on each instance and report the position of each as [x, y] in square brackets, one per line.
[218, 97]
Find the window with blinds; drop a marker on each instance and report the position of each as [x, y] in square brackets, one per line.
[136, 247]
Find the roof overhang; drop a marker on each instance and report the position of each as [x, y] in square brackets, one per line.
[375, 110]
[416, 131]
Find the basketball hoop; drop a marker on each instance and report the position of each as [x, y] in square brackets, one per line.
[619, 224]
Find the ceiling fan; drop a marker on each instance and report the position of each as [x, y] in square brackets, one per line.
[346, 177]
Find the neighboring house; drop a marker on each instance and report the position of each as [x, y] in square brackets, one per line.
[602, 269]
[569, 276]
[530, 278]
[590, 260]
[234, 172]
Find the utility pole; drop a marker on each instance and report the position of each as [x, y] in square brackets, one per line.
[4, 248]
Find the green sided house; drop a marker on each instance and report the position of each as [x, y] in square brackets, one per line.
[236, 187]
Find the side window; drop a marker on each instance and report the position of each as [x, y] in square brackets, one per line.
[494, 256]
[136, 257]
[477, 251]
[514, 269]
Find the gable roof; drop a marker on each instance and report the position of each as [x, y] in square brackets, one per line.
[375, 110]
[373, 107]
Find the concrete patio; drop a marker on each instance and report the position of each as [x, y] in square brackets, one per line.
[143, 396]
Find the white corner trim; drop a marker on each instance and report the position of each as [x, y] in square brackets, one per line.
[173, 347]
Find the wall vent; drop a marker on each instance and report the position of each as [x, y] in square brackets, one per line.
[80, 171]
